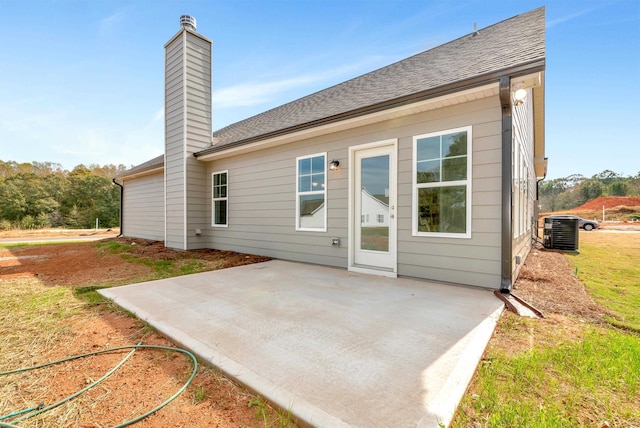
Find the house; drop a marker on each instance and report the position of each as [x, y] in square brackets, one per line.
[375, 209]
[441, 151]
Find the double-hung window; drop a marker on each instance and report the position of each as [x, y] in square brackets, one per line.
[311, 193]
[219, 204]
[442, 184]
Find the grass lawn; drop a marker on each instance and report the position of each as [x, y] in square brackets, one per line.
[375, 238]
[609, 265]
[555, 372]
[572, 373]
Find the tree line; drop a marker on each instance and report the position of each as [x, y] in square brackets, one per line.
[43, 194]
[572, 191]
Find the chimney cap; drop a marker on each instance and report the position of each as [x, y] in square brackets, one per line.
[188, 21]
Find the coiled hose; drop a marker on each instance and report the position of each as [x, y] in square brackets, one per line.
[34, 411]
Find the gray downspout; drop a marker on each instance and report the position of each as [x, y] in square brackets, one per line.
[121, 205]
[506, 274]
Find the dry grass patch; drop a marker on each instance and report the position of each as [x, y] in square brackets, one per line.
[41, 323]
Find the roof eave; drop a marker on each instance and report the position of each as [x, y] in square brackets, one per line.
[141, 173]
[480, 80]
[539, 143]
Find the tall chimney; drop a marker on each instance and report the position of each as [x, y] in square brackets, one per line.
[187, 108]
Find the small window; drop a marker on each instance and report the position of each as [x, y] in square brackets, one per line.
[442, 184]
[219, 205]
[311, 193]
[380, 218]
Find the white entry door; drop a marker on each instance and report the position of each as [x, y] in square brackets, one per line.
[373, 198]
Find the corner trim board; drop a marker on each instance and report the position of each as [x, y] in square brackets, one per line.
[506, 274]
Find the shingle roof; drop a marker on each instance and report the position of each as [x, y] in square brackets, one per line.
[476, 58]
[149, 165]
[491, 52]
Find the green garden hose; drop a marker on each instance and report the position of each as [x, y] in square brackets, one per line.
[33, 411]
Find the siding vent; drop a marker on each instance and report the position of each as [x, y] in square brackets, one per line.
[188, 21]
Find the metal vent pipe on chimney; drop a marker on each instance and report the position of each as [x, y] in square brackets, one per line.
[188, 21]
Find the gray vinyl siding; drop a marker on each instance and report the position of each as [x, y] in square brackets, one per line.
[143, 201]
[262, 198]
[198, 133]
[187, 130]
[262, 193]
[474, 261]
[174, 149]
[523, 135]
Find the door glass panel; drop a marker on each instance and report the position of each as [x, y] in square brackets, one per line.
[374, 203]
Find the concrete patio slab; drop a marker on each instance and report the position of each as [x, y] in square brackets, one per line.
[336, 348]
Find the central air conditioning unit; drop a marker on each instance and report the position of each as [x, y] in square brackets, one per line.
[561, 233]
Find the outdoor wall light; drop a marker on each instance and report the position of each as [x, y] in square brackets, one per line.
[334, 164]
[519, 96]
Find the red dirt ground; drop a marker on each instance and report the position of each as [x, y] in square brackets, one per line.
[610, 202]
[546, 281]
[150, 376]
[81, 263]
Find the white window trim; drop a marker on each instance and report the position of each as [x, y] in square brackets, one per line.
[213, 200]
[317, 192]
[467, 183]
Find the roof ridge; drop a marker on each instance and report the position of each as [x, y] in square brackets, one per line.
[376, 71]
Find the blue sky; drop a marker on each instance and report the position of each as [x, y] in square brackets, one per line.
[82, 81]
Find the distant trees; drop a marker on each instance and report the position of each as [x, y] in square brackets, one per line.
[619, 188]
[572, 191]
[44, 194]
[590, 189]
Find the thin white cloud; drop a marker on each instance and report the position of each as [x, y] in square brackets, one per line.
[158, 116]
[129, 144]
[28, 125]
[58, 136]
[111, 22]
[251, 94]
[567, 18]
[256, 93]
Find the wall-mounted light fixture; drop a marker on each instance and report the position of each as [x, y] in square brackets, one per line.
[519, 96]
[334, 165]
[522, 85]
